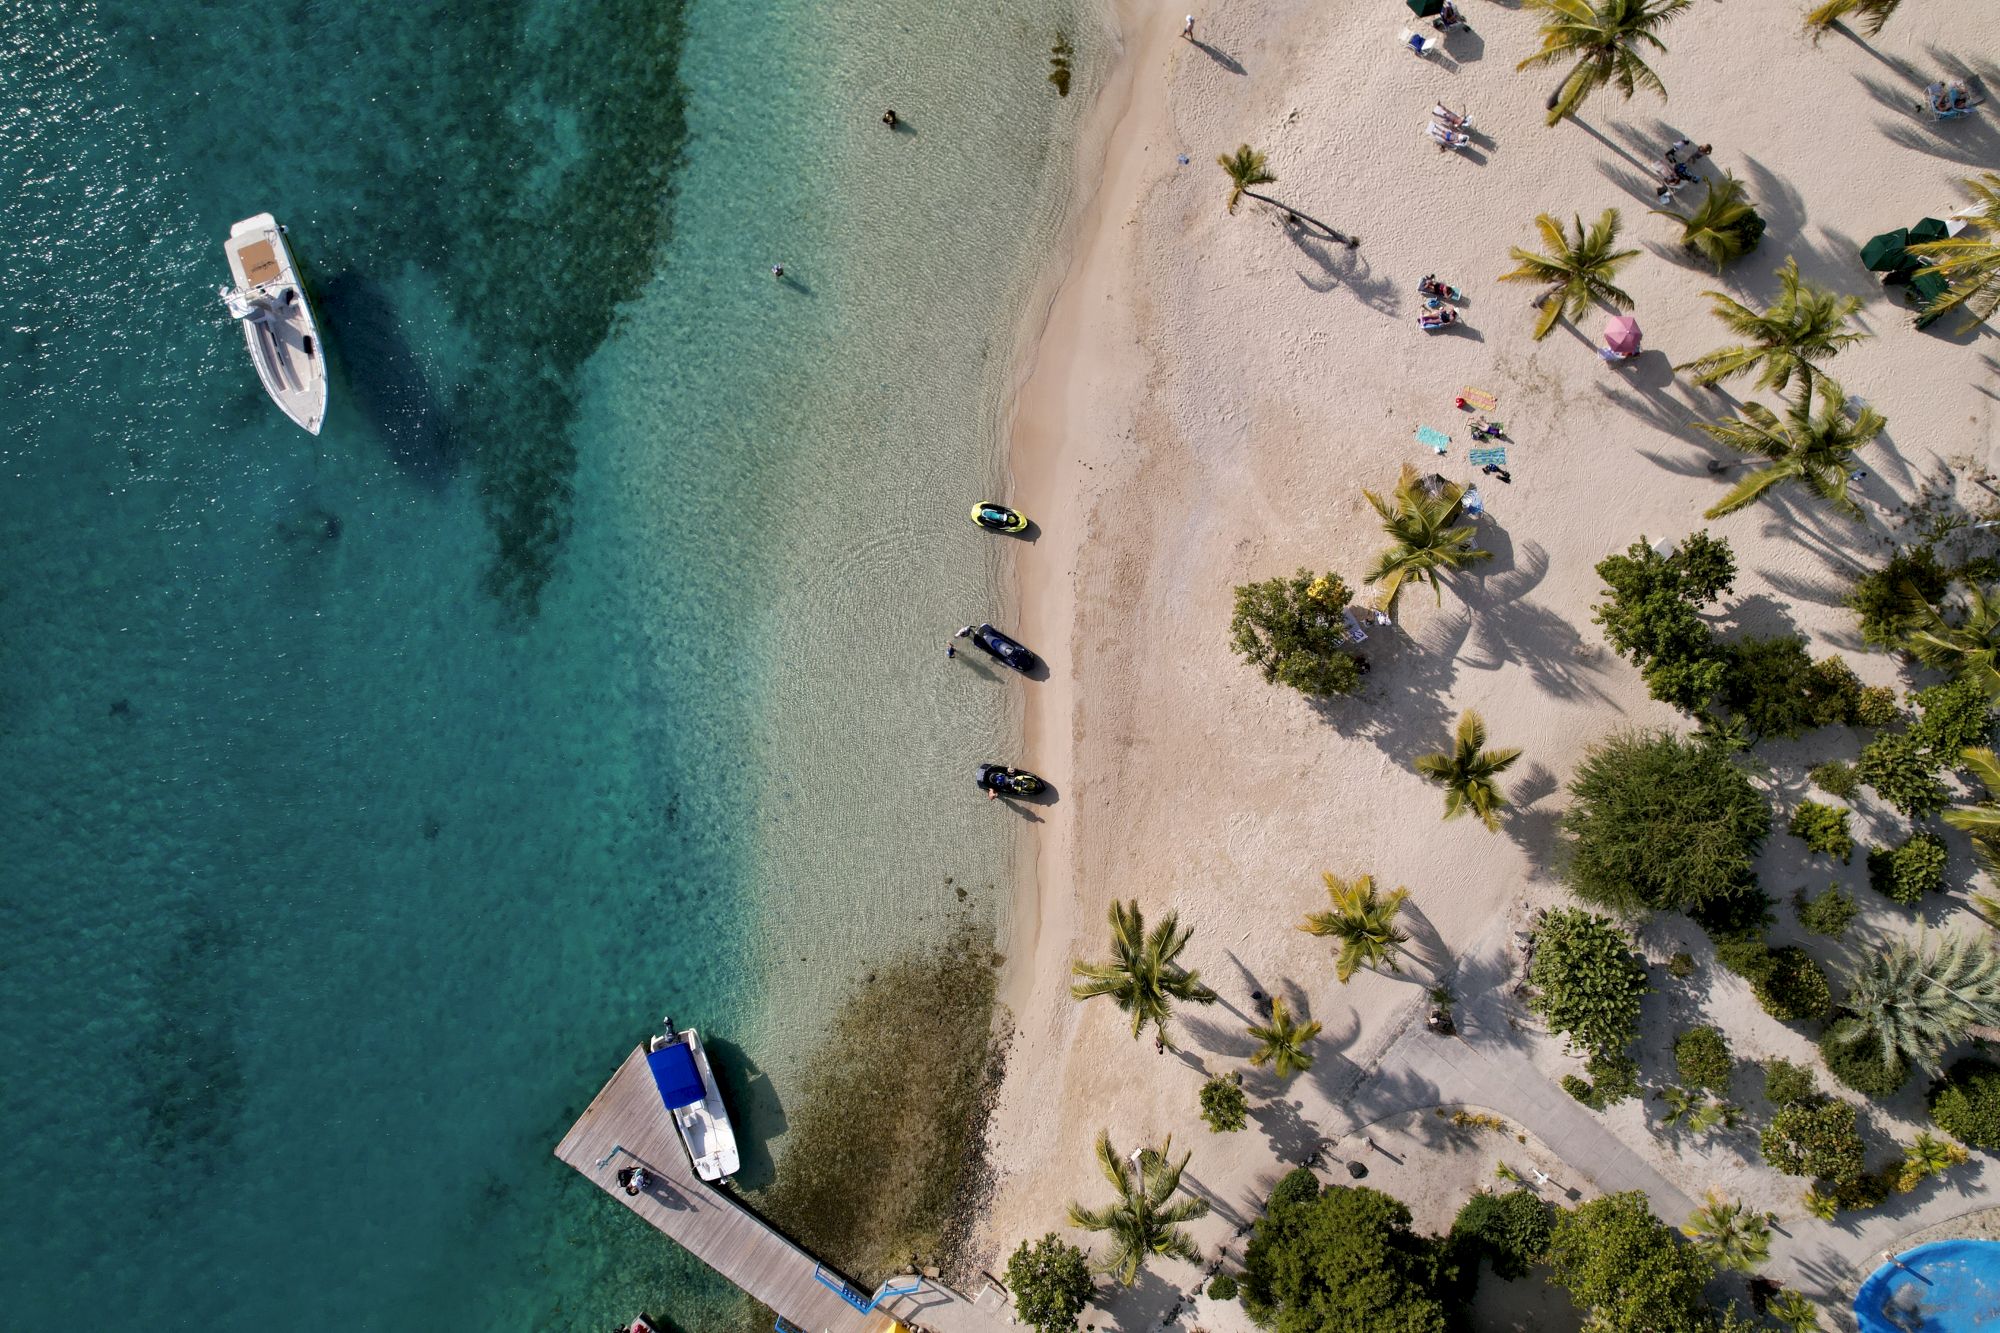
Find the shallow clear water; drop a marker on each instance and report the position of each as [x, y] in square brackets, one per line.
[367, 797]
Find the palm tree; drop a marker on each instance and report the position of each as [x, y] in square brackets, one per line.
[1827, 16]
[1926, 1155]
[1813, 448]
[1723, 226]
[1362, 920]
[1281, 1043]
[1970, 261]
[1729, 1233]
[1577, 270]
[1794, 1311]
[1969, 649]
[1602, 37]
[1982, 821]
[1146, 1220]
[1911, 1004]
[1246, 167]
[1466, 772]
[1420, 515]
[1142, 975]
[1807, 323]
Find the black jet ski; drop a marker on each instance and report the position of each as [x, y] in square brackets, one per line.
[1006, 781]
[1001, 648]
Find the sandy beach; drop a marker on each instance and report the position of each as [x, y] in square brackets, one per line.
[1201, 405]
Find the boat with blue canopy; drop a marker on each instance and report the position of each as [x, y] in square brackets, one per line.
[689, 1093]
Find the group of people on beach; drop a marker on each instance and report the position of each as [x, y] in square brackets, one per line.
[1674, 169]
[1948, 99]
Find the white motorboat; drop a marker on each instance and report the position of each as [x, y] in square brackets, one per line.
[687, 1088]
[270, 303]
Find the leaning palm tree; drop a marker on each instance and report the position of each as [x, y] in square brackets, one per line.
[1281, 1043]
[1245, 168]
[1467, 772]
[1969, 648]
[1142, 975]
[1362, 920]
[1925, 1156]
[1420, 515]
[1910, 1003]
[1970, 261]
[1602, 37]
[1981, 821]
[1576, 270]
[1823, 18]
[1794, 1311]
[1807, 323]
[1146, 1220]
[1814, 448]
[1729, 1233]
[1723, 226]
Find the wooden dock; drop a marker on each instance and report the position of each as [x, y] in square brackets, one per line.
[627, 1126]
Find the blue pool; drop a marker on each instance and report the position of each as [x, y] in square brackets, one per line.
[1952, 1286]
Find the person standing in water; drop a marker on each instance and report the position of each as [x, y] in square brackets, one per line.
[778, 271]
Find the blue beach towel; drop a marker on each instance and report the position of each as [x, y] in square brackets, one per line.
[1481, 457]
[1436, 439]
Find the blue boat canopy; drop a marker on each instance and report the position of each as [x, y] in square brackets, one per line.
[675, 1075]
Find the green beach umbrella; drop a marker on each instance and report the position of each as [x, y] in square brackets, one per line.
[1423, 9]
[1929, 285]
[1885, 252]
[1928, 229]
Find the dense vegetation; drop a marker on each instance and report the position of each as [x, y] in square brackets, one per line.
[1341, 1260]
[1050, 1282]
[1588, 982]
[1629, 1271]
[1292, 630]
[1965, 1104]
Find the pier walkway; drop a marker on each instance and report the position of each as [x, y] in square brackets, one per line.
[627, 1126]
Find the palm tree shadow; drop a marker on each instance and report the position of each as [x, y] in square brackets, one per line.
[1507, 627]
[1402, 704]
[1431, 952]
[1341, 266]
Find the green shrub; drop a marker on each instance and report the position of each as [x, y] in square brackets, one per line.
[1292, 630]
[1833, 692]
[1745, 953]
[1823, 828]
[1829, 914]
[1222, 1288]
[1902, 774]
[1629, 1270]
[1702, 1057]
[1345, 1259]
[1870, 1189]
[1299, 1185]
[1816, 1139]
[1050, 1282]
[1223, 1104]
[1836, 778]
[1794, 988]
[1614, 1076]
[1950, 718]
[1510, 1230]
[1662, 822]
[1681, 964]
[1890, 601]
[1877, 707]
[1909, 870]
[1786, 1082]
[1765, 683]
[1651, 615]
[1579, 1088]
[1858, 1065]
[1587, 982]
[1965, 1103]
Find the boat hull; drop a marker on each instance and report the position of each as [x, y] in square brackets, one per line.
[702, 1124]
[278, 326]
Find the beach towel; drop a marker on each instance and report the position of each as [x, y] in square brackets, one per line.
[1481, 457]
[1436, 439]
[1479, 398]
[1355, 634]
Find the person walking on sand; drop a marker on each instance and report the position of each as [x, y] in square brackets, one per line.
[1187, 28]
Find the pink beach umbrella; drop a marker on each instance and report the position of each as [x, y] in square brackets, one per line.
[1621, 335]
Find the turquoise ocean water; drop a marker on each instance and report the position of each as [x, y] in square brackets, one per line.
[365, 799]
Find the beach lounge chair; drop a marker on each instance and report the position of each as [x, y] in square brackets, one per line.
[1417, 42]
[1355, 634]
[1448, 138]
[1474, 504]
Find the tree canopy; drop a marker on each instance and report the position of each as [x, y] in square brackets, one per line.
[1630, 1271]
[1587, 982]
[1050, 1282]
[1651, 615]
[1664, 823]
[1292, 630]
[1340, 1260]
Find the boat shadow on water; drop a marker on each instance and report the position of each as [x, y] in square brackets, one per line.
[385, 380]
[754, 1110]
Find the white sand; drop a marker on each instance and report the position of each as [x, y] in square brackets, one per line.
[1206, 401]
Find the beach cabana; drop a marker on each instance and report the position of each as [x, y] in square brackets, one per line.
[1886, 253]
